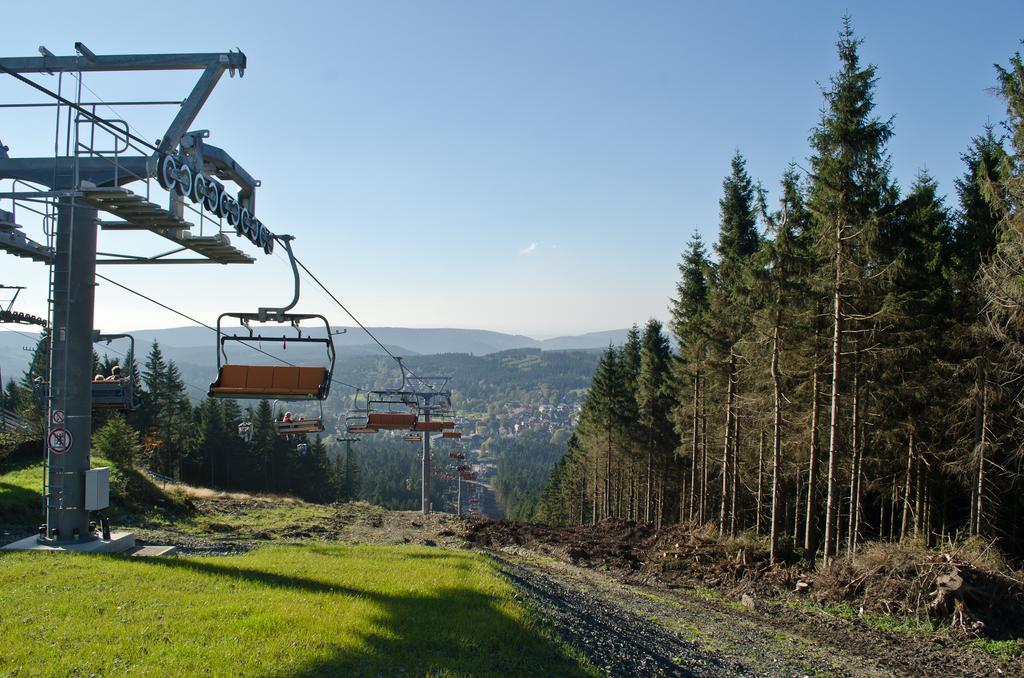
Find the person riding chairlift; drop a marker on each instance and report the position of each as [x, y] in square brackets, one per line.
[115, 373]
[287, 418]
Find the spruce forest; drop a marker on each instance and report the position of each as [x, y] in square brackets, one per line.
[849, 352]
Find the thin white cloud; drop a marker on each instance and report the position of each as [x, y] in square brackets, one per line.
[528, 249]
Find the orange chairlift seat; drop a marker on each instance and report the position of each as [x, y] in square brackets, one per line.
[391, 421]
[429, 426]
[281, 382]
[412, 438]
[454, 435]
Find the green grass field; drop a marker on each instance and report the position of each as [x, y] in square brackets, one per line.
[131, 493]
[308, 609]
[21, 499]
[279, 610]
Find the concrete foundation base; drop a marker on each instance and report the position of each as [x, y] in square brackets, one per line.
[153, 551]
[118, 543]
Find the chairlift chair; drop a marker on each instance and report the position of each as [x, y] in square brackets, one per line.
[389, 411]
[245, 431]
[298, 427]
[265, 382]
[287, 426]
[358, 426]
[108, 393]
[356, 420]
[412, 438]
[281, 382]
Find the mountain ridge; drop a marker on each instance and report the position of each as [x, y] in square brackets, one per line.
[178, 342]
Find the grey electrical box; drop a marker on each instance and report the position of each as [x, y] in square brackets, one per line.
[97, 488]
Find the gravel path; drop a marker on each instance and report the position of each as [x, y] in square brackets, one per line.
[615, 640]
[634, 629]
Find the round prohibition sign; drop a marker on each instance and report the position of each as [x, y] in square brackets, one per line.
[59, 441]
[58, 417]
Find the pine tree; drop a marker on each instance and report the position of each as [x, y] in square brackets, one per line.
[916, 313]
[38, 371]
[1005, 194]
[351, 487]
[738, 242]
[601, 422]
[973, 243]
[849, 190]
[782, 288]
[627, 484]
[233, 459]
[214, 439]
[1003, 294]
[689, 310]
[313, 475]
[654, 404]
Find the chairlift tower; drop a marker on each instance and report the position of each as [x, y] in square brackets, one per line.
[78, 186]
[431, 397]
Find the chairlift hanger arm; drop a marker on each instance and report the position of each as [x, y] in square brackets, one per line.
[278, 314]
[97, 337]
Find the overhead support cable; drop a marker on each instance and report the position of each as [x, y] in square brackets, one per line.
[356, 320]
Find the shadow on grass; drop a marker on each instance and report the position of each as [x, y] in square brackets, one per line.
[458, 560]
[20, 461]
[254, 576]
[454, 630]
[20, 506]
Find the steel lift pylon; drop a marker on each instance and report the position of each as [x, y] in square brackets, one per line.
[79, 186]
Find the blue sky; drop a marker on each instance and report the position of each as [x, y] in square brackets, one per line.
[532, 167]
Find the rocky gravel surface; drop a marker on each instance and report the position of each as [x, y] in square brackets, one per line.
[633, 628]
[612, 638]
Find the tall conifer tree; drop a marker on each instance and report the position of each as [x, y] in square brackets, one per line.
[849, 189]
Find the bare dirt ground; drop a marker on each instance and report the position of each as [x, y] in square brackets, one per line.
[226, 525]
[601, 598]
[631, 629]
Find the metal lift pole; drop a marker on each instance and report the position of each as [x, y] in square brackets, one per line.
[425, 467]
[78, 180]
[74, 293]
[348, 440]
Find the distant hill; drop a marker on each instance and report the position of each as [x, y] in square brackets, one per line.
[194, 346]
[585, 341]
